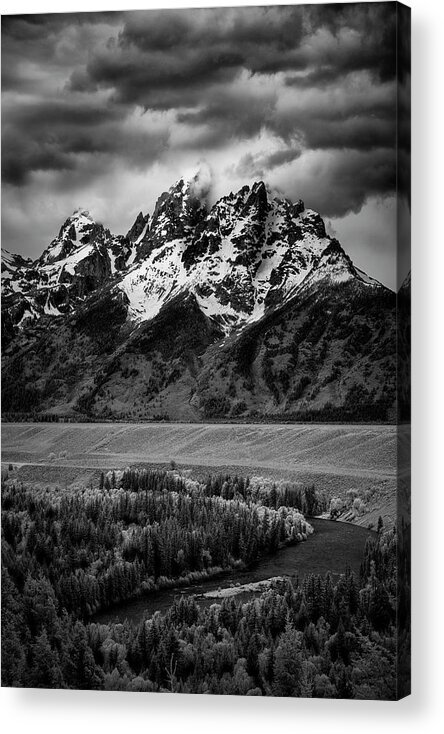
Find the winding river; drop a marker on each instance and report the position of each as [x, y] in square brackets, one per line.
[332, 547]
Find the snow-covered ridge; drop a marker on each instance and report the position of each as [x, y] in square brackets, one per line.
[248, 253]
[83, 257]
[251, 251]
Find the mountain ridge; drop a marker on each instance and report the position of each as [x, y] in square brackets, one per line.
[238, 309]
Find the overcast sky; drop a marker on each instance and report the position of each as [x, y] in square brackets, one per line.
[107, 110]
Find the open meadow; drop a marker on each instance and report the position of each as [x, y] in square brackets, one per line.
[357, 451]
[335, 458]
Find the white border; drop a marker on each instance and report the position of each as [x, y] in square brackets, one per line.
[72, 712]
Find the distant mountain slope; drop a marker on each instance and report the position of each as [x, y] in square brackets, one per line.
[245, 309]
[83, 257]
[404, 349]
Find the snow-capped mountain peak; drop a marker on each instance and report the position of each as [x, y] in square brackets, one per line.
[78, 230]
[247, 254]
[240, 258]
[82, 257]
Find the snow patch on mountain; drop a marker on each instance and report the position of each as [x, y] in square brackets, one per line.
[141, 235]
[49, 309]
[71, 262]
[148, 285]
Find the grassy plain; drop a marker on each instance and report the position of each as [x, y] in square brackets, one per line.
[335, 458]
[342, 450]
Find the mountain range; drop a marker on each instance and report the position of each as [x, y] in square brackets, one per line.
[245, 309]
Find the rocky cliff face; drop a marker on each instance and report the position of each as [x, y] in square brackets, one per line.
[242, 309]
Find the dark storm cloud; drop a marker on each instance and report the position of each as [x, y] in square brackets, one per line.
[191, 62]
[51, 136]
[325, 127]
[229, 113]
[348, 181]
[38, 27]
[39, 39]
[82, 90]
[374, 28]
[174, 49]
[335, 185]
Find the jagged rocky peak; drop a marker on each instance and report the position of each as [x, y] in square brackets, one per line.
[177, 213]
[78, 230]
[185, 204]
[252, 225]
[249, 253]
[261, 198]
[257, 205]
[77, 225]
[258, 197]
[139, 228]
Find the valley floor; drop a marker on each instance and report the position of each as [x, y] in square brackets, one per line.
[356, 450]
[335, 458]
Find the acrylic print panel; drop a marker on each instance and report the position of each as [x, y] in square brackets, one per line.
[206, 349]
